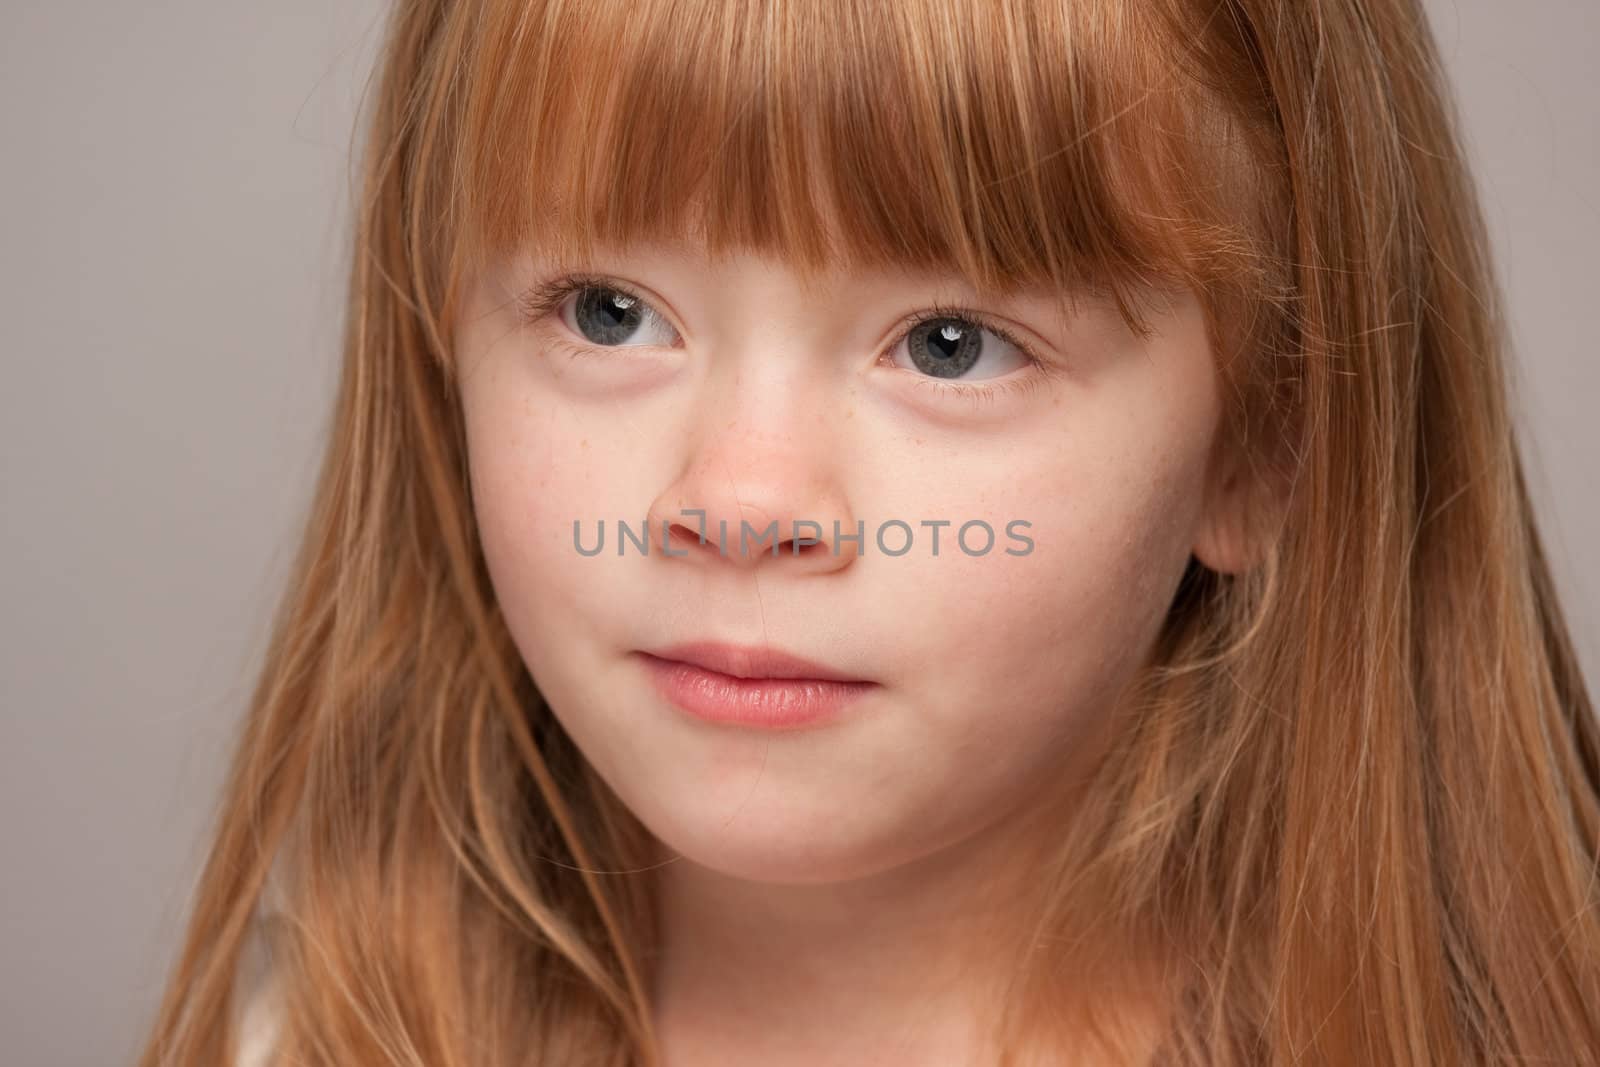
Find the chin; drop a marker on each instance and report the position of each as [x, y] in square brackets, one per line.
[775, 848]
[824, 837]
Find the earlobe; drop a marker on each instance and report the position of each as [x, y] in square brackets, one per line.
[1220, 547]
[1224, 541]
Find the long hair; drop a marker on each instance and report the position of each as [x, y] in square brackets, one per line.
[1359, 799]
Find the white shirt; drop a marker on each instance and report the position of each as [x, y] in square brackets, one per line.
[258, 1026]
[256, 994]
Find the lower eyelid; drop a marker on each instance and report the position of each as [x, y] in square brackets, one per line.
[1018, 384]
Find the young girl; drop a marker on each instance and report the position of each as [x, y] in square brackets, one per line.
[1141, 650]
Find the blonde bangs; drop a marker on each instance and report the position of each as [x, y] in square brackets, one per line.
[1016, 145]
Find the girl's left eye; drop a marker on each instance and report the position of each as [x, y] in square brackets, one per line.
[945, 343]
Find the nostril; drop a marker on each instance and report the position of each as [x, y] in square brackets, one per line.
[681, 537]
[678, 539]
[804, 546]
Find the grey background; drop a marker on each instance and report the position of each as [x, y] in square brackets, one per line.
[174, 191]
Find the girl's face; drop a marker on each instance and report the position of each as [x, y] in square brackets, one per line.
[734, 390]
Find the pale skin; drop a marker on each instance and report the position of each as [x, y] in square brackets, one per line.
[825, 893]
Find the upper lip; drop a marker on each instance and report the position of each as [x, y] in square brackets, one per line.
[749, 661]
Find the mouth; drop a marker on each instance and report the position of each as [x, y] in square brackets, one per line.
[744, 686]
[752, 662]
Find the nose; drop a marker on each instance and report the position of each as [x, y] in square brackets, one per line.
[756, 496]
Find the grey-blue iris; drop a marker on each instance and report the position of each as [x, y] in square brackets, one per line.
[946, 348]
[606, 316]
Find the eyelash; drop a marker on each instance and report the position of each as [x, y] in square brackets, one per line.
[546, 297]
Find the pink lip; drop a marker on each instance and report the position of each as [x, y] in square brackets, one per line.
[748, 686]
[749, 661]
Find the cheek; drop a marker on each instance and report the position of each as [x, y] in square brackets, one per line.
[1024, 655]
[517, 488]
[536, 468]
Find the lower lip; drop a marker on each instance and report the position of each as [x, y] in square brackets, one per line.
[765, 703]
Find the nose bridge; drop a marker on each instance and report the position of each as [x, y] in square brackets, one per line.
[758, 471]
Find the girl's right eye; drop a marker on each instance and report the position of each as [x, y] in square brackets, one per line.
[606, 314]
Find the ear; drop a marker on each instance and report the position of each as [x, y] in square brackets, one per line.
[1228, 538]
